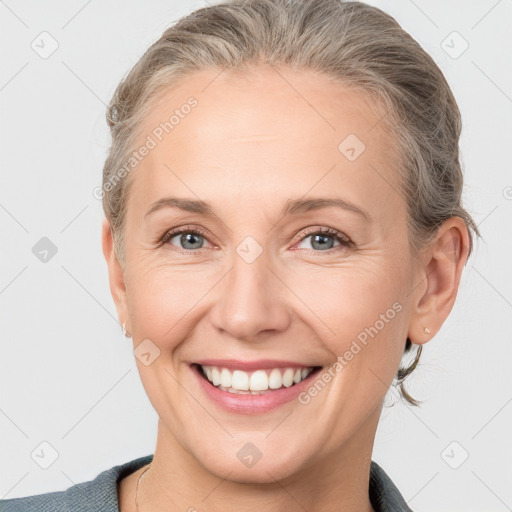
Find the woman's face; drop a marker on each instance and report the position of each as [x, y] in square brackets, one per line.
[250, 159]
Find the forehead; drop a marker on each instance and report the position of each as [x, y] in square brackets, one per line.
[269, 133]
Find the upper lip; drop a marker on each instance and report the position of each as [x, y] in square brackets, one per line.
[260, 364]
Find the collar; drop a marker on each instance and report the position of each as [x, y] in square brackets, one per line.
[101, 493]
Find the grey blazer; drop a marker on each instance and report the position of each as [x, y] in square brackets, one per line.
[100, 494]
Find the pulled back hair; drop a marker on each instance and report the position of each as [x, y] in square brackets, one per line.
[354, 43]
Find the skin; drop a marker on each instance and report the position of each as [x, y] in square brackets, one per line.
[253, 142]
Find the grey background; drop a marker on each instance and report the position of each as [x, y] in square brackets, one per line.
[68, 377]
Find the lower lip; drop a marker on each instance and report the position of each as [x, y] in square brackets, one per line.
[252, 404]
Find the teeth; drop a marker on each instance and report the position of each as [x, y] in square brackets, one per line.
[288, 377]
[225, 378]
[275, 381]
[215, 376]
[259, 381]
[239, 381]
[256, 382]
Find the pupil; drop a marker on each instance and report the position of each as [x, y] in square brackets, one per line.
[322, 244]
[189, 237]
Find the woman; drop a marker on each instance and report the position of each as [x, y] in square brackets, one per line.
[283, 221]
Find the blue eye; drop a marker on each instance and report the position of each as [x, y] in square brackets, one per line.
[323, 239]
[191, 240]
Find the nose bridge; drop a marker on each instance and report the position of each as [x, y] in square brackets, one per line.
[250, 297]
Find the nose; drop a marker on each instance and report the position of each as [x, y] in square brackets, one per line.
[252, 300]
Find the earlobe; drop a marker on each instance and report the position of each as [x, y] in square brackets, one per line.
[115, 271]
[439, 278]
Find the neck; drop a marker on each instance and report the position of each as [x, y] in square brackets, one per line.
[177, 481]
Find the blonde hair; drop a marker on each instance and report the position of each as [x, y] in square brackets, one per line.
[352, 42]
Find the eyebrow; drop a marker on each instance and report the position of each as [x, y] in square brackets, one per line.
[291, 207]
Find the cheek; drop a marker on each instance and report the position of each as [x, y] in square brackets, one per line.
[359, 312]
[163, 300]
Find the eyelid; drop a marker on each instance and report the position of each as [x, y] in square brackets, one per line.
[324, 230]
[178, 230]
[344, 240]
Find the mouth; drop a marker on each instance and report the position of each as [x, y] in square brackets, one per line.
[255, 391]
[256, 382]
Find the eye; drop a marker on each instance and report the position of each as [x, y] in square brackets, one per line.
[187, 239]
[191, 240]
[323, 239]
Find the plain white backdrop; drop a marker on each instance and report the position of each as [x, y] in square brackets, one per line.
[68, 376]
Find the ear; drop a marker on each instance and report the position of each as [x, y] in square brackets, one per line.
[115, 273]
[439, 275]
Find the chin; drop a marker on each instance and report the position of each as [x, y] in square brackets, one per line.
[263, 472]
[251, 458]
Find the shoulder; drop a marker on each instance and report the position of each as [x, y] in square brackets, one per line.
[384, 495]
[52, 501]
[97, 494]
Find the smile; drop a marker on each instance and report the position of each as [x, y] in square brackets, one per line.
[256, 389]
[256, 382]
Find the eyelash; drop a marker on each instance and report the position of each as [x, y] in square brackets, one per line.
[345, 242]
